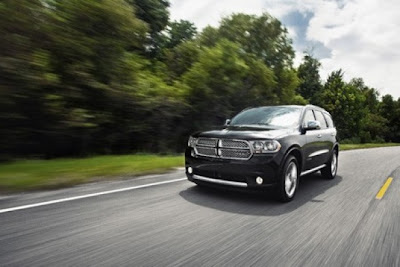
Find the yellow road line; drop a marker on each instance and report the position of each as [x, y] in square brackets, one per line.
[383, 189]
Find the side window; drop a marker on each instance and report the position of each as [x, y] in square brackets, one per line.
[321, 119]
[329, 120]
[309, 116]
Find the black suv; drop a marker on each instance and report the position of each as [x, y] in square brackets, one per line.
[263, 147]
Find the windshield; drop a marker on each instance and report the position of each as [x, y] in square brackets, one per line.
[271, 117]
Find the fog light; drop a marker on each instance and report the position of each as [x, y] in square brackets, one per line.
[259, 180]
[190, 170]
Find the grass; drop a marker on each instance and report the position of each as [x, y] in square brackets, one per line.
[46, 174]
[367, 145]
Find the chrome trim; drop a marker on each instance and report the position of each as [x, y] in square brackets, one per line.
[220, 144]
[204, 155]
[217, 148]
[221, 157]
[319, 152]
[213, 139]
[218, 181]
[313, 170]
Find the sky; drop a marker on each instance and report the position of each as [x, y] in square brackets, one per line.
[362, 37]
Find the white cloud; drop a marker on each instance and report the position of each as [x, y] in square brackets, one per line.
[364, 40]
[210, 12]
[361, 34]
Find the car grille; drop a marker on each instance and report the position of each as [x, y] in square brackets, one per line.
[206, 151]
[223, 148]
[235, 154]
[211, 142]
[234, 144]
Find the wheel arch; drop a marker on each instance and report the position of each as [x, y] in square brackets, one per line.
[295, 151]
[336, 147]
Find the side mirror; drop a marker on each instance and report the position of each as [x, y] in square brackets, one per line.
[312, 125]
[227, 122]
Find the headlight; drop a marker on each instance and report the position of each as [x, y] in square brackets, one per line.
[192, 141]
[269, 146]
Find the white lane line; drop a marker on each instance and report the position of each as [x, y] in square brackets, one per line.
[87, 196]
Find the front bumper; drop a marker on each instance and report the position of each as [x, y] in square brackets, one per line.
[239, 174]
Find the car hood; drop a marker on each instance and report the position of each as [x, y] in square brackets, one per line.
[247, 133]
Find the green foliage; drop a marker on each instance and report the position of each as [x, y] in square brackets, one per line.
[154, 12]
[264, 36]
[225, 81]
[180, 31]
[310, 86]
[390, 109]
[346, 104]
[180, 58]
[208, 37]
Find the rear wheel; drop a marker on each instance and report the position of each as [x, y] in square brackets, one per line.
[331, 167]
[289, 180]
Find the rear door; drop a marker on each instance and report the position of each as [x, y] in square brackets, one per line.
[331, 130]
[324, 143]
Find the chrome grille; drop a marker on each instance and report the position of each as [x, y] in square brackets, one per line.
[223, 148]
[211, 142]
[206, 151]
[233, 144]
[235, 153]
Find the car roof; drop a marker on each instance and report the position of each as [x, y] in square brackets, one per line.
[317, 108]
[299, 106]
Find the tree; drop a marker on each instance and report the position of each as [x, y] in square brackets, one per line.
[346, 104]
[310, 81]
[373, 126]
[180, 58]
[224, 81]
[68, 71]
[156, 14]
[263, 36]
[24, 71]
[208, 37]
[390, 109]
[179, 32]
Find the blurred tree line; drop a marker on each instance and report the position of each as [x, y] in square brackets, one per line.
[83, 77]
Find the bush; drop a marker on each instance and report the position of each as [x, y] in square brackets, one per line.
[353, 140]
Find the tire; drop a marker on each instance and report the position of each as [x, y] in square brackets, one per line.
[330, 170]
[289, 179]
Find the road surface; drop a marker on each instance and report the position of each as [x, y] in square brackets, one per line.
[144, 223]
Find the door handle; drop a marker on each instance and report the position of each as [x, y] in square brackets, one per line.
[319, 136]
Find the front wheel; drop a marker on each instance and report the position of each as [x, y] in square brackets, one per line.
[289, 180]
[331, 167]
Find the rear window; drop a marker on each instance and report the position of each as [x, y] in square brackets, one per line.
[329, 120]
[321, 119]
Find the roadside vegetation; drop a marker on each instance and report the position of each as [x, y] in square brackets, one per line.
[56, 173]
[366, 145]
[84, 77]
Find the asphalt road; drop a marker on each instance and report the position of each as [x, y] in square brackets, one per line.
[331, 222]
